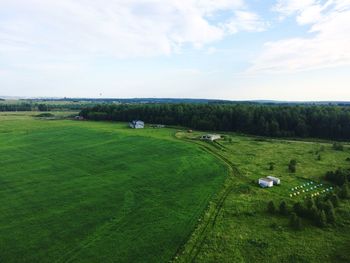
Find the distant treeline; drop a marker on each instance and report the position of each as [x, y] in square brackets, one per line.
[16, 107]
[39, 107]
[328, 122]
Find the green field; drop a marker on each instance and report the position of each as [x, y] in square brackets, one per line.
[243, 230]
[80, 191]
[76, 191]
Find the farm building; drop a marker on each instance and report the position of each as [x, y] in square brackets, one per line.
[276, 181]
[137, 124]
[211, 137]
[265, 182]
[80, 118]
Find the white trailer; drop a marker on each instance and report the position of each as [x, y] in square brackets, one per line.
[265, 182]
[276, 181]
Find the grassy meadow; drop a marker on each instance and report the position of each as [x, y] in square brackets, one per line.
[78, 191]
[244, 231]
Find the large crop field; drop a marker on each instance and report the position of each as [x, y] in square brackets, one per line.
[75, 191]
[243, 230]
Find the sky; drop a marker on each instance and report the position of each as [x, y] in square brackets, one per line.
[296, 50]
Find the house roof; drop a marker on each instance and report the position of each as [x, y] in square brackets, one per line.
[136, 121]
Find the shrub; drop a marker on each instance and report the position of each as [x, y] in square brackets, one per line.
[283, 208]
[271, 207]
[330, 215]
[320, 203]
[338, 146]
[339, 177]
[321, 219]
[312, 213]
[293, 162]
[299, 209]
[292, 166]
[344, 191]
[295, 221]
[271, 166]
[328, 206]
[335, 200]
[310, 202]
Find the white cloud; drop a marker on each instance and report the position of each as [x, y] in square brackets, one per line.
[328, 43]
[246, 21]
[122, 28]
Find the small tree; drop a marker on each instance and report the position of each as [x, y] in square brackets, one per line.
[344, 191]
[271, 207]
[335, 200]
[295, 221]
[283, 208]
[320, 203]
[292, 166]
[310, 202]
[298, 209]
[293, 162]
[321, 219]
[271, 166]
[330, 215]
[328, 206]
[313, 213]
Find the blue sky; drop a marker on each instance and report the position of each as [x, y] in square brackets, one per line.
[225, 49]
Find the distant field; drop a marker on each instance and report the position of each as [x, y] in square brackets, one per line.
[245, 232]
[75, 191]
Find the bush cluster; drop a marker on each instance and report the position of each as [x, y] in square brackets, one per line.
[320, 211]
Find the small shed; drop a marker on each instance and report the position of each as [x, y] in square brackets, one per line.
[265, 182]
[137, 124]
[211, 137]
[276, 181]
[79, 118]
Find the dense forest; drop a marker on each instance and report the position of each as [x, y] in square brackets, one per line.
[328, 122]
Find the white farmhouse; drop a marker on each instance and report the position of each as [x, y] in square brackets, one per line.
[265, 182]
[211, 137]
[276, 181]
[136, 124]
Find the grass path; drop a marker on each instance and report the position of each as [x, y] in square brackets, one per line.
[194, 245]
